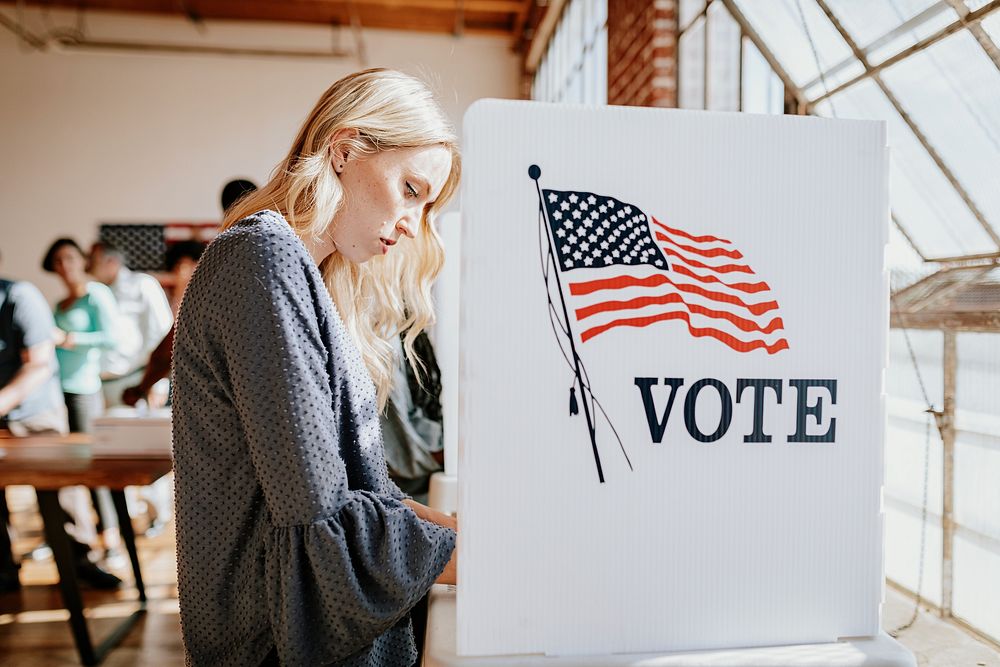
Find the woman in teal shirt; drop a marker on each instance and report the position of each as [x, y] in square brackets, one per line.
[85, 322]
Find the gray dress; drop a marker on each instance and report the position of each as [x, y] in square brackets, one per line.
[289, 532]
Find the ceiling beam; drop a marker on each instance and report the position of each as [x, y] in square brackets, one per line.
[540, 40]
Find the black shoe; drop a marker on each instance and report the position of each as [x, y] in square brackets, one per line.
[9, 581]
[95, 577]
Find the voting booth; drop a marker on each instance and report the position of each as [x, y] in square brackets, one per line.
[673, 340]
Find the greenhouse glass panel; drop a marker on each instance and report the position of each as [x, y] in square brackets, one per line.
[952, 92]
[928, 206]
[866, 22]
[723, 60]
[763, 91]
[780, 26]
[691, 88]
[688, 10]
[991, 24]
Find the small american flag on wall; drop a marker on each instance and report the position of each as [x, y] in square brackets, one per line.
[663, 274]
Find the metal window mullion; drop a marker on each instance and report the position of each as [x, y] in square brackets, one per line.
[906, 26]
[949, 29]
[920, 136]
[950, 364]
[906, 235]
[976, 28]
[768, 55]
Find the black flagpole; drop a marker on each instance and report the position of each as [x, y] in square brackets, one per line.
[535, 172]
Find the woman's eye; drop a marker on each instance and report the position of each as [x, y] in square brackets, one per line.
[410, 190]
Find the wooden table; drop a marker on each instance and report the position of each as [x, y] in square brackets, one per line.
[49, 463]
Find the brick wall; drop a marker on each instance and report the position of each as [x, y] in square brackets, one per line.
[642, 52]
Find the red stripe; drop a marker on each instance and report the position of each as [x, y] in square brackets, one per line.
[751, 288]
[643, 301]
[697, 332]
[722, 268]
[710, 252]
[697, 239]
[620, 282]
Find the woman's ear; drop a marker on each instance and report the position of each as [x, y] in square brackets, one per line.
[340, 148]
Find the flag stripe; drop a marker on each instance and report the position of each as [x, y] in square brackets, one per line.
[704, 252]
[618, 282]
[697, 239]
[698, 332]
[672, 297]
[721, 268]
[750, 288]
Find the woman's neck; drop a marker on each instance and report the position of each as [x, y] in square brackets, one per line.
[318, 249]
[76, 289]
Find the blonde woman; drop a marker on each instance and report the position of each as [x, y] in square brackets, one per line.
[293, 546]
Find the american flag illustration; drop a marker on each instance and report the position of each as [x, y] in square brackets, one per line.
[624, 268]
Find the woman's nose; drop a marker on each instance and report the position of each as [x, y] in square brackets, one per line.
[406, 227]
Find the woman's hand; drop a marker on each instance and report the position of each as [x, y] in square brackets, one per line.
[450, 573]
[63, 339]
[434, 516]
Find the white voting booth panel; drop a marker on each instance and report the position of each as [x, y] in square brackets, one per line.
[673, 338]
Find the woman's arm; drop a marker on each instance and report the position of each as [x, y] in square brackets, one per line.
[344, 563]
[450, 573]
[104, 315]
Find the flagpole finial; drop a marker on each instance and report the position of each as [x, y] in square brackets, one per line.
[534, 172]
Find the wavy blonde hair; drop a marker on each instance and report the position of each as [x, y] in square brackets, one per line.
[387, 295]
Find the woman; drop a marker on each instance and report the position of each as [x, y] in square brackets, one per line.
[293, 545]
[85, 322]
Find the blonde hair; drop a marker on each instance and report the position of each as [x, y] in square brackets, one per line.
[387, 295]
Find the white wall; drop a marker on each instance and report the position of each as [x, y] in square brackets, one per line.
[87, 138]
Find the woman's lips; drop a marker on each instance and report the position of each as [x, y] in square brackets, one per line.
[385, 244]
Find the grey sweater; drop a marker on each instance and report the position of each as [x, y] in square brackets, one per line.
[289, 532]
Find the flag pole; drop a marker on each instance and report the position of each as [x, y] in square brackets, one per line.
[535, 172]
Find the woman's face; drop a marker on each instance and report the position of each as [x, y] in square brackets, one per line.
[69, 264]
[385, 195]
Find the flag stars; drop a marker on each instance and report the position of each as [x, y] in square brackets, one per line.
[557, 215]
[561, 233]
[602, 208]
[593, 214]
[658, 262]
[588, 223]
[568, 263]
[577, 255]
[588, 260]
[573, 198]
[553, 198]
[607, 260]
[591, 200]
[592, 238]
[564, 206]
[584, 206]
[611, 203]
[605, 244]
[576, 215]
[628, 210]
[585, 246]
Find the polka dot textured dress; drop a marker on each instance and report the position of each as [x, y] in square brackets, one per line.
[289, 532]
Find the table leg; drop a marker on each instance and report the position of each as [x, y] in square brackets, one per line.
[128, 535]
[55, 534]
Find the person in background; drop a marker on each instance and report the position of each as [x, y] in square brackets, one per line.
[31, 403]
[182, 258]
[85, 321]
[412, 422]
[145, 318]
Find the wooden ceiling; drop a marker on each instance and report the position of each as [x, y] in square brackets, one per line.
[514, 18]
